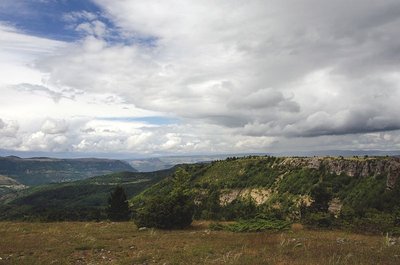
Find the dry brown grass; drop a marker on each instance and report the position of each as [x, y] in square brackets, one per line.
[122, 243]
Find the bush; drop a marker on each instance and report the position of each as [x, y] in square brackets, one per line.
[216, 226]
[256, 225]
[374, 221]
[174, 211]
[252, 225]
[319, 219]
[243, 208]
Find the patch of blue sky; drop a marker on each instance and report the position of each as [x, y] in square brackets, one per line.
[47, 19]
[153, 120]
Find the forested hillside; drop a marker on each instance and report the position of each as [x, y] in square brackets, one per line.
[78, 200]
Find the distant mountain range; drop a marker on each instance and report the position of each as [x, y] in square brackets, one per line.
[42, 170]
[165, 162]
[160, 163]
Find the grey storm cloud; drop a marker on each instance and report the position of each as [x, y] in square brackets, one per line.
[265, 99]
[219, 72]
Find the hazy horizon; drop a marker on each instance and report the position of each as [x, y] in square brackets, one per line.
[130, 156]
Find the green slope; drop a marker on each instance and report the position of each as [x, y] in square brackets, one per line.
[288, 188]
[293, 187]
[295, 176]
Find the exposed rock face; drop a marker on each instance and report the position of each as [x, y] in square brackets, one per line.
[335, 205]
[394, 172]
[9, 187]
[228, 196]
[6, 182]
[259, 196]
[354, 167]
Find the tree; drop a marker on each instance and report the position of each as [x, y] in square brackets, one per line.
[173, 210]
[118, 208]
[321, 196]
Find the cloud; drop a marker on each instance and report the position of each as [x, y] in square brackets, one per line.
[76, 16]
[8, 129]
[54, 127]
[20, 45]
[87, 23]
[55, 95]
[40, 141]
[238, 75]
[220, 70]
[8, 134]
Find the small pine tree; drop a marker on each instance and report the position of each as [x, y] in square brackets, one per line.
[321, 196]
[118, 208]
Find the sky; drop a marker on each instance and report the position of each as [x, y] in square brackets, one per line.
[176, 77]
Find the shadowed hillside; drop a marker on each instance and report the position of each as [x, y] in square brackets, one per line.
[78, 200]
[42, 170]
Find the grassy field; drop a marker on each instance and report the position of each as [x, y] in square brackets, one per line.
[122, 243]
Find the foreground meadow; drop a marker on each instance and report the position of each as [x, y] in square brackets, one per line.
[123, 243]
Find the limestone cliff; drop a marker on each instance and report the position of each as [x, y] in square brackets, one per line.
[353, 167]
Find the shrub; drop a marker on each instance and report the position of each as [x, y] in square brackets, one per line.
[252, 225]
[319, 219]
[243, 208]
[255, 225]
[374, 221]
[175, 210]
[216, 226]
